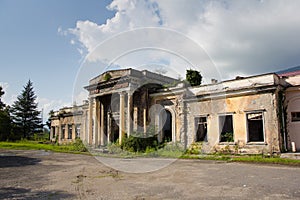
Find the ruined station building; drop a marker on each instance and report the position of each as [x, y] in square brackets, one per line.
[257, 114]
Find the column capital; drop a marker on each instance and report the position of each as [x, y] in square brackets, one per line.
[130, 92]
[122, 93]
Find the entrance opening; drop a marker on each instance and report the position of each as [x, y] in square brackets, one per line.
[226, 128]
[201, 129]
[167, 129]
[255, 127]
[114, 130]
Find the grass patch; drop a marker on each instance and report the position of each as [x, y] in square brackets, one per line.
[244, 158]
[74, 147]
[168, 151]
[272, 160]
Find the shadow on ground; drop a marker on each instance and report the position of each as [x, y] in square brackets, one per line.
[17, 161]
[23, 193]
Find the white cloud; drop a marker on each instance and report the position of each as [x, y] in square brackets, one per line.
[7, 98]
[4, 86]
[46, 105]
[80, 97]
[248, 37]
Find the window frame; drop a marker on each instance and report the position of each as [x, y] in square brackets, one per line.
[77, 126]
[195, 127]
[63, 132]
[70, 127]
[247, 126]
[297, 118]
[221, 127]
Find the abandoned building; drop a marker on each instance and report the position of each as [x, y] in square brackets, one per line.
[257, 114]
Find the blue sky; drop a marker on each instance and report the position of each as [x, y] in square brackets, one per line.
[32, 48]
[53, 41]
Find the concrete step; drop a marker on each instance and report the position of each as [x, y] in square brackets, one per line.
[291, 155]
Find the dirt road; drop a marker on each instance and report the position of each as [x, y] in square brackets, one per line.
[47, 175]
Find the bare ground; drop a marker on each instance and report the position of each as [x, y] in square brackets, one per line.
[48, 175]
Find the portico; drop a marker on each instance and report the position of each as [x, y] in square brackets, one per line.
[118, 104]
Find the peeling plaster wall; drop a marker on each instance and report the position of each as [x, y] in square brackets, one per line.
[238, 107]
[293, 105]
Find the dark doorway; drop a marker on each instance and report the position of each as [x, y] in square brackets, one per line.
[114, 130]
[167, 128]
[255, 127]
[201, 129]
[226, 126]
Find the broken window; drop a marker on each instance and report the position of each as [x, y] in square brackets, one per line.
[226, 128]
[69, 131]
[201, 129]
[295, 116]
[255, 127]
[63, 131]
[77, 130]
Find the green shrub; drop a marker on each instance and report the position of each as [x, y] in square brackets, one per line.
[226, 150]
[195, 148]
[114, 148]
[138, 143]
[41, 136]
[172, 150]
[78, 146]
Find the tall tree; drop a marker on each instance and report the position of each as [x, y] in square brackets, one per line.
[2, 105]
[25, 114]
[5, 122]
[193, 77]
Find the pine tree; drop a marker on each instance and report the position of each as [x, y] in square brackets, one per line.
[25, 115]
[5, 122]
[2, 105]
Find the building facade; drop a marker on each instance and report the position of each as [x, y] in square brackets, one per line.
[246, 115]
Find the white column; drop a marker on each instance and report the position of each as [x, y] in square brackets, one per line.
[103, 142]
[83, 127]
[135, 119]
[51, 132]
[129, 112]
[73, 132]
[59, 132]
[122, 118]
[109, 136]
[96, 122]
[90, 134]
[145, 120]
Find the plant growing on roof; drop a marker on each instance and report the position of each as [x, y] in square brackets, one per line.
[193, 77]
[107, 77]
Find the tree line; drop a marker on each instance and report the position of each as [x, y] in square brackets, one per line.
[21, 120]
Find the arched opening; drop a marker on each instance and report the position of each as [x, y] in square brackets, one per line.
[167, 128]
